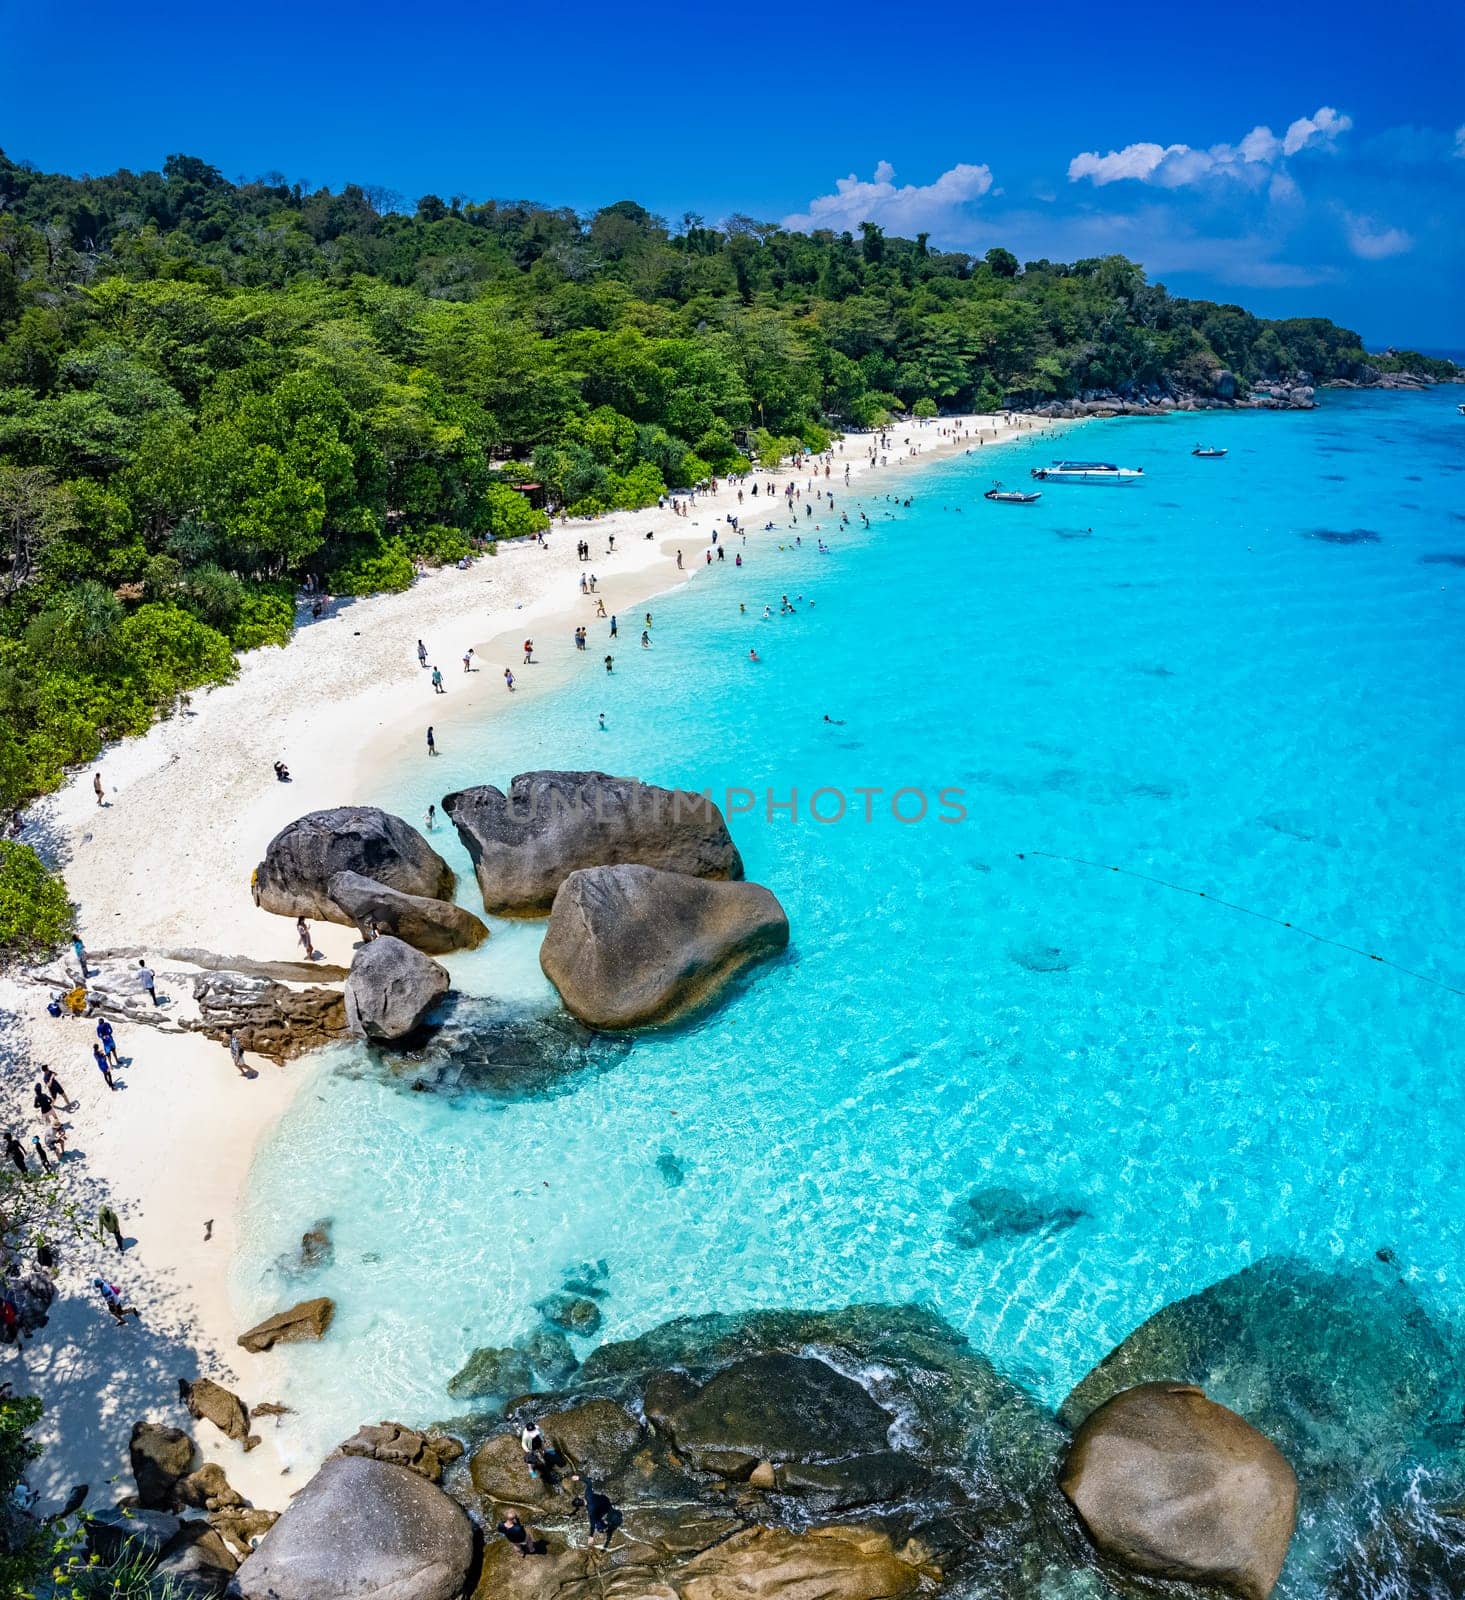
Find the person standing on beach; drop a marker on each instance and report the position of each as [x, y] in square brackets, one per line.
[148, 979]
[236, 1053]
[302, 932]
[679, 561]
[431, 742]
[97, 787]
[107, 1223]
[108, 1038]
[41, 1155]
[613, 628]
[508, 680]
[54, 1089]
[46, 1107]
[468, 659]
[103, 1066]
[16, 1151]
[528, 652]
[437, 680]
[79, 950]
[421, 654]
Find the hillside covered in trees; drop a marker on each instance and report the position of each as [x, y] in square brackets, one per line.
[210, 390]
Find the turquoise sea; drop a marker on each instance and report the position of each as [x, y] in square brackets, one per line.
[1242, 677]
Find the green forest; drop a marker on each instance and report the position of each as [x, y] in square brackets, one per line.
[211, 391]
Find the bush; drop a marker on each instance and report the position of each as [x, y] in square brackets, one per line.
[35, 914]
[438, 545]
[815, 438]
[925, 407]
[266, 616]
[509, 515]
[167, 651]
[379, 566]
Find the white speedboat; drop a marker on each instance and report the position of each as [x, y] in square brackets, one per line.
[1208, 452]
[1088, 472]
[1010, 497]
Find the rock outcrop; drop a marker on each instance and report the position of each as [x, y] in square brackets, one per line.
[294, 878]
[206, 1400]
[270, 1018]
[195, 1565]
[1171, 1485]
[629, 946]
[391, 989]
[305, 1322]
[524, 844]
[491, 1372]
[159, 1456]
[426, 1454]
[433, 926]
[362, 1530]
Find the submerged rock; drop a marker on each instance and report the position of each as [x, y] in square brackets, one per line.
[391, 989]
[671, 1169]
[294, 878]
[304, 1322]
[433, 926]
[524, 844]
[572, 1313]
[492, 1373]
[1172, 1485]
[1000, 1212]
[551, 1355]
[628, 946]
[362, 1529]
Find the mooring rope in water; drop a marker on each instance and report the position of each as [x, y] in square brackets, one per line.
[1247, 911]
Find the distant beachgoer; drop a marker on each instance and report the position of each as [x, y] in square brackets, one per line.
[108, 1038]
[53, 1088]
[97, 788]
[528, 652]
[46, 1107]
[431, 743]
[107, 1222]
[679, 561]
[531, 1442]
[437, 680]
[508, 679]
[468, 659]
[16, 1151]
[236, 1053]
[602, 722]
[610, 663]
[430, 820]
[752, 655]
[115, 1301]
[648, 619]
[421, 654]
[645, 640]
[613, 628]
[79, 949]
[147, 978]
[302, 932]
[103, 1065]
[600, 608]
[598, 1509]
[40, 1151]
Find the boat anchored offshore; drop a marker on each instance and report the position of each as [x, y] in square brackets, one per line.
[1011, 497]
[1088, 472]
[1208, 452]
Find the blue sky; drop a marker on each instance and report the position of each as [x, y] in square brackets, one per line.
[1296, 158]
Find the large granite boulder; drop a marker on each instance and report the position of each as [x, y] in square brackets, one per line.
[524, 844]
[362, 1530]
[302, 1323]
[773, 1407]
[1172, 1485]
[1344, 1370]
[436, 926]
[160, 1456]
[391, 989]
[630, 945]
[822, 1564]
[196, 1565]
[271, 1019]
[426, 1454]
[294, 878]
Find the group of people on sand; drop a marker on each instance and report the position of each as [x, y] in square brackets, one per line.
[546, 1464]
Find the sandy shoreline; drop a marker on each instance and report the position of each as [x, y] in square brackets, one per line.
[165, 865]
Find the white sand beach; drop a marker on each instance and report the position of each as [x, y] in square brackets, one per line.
[165, 865]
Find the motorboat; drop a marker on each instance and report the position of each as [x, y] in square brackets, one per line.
[1102, 472]
[1011, 497]
[1207, 452]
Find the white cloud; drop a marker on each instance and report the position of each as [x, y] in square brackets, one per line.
[906, 208]
[1174, 166]
[1373, 241]
[1460, 141]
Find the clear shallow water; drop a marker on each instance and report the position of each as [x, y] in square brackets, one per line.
[1195, 690]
